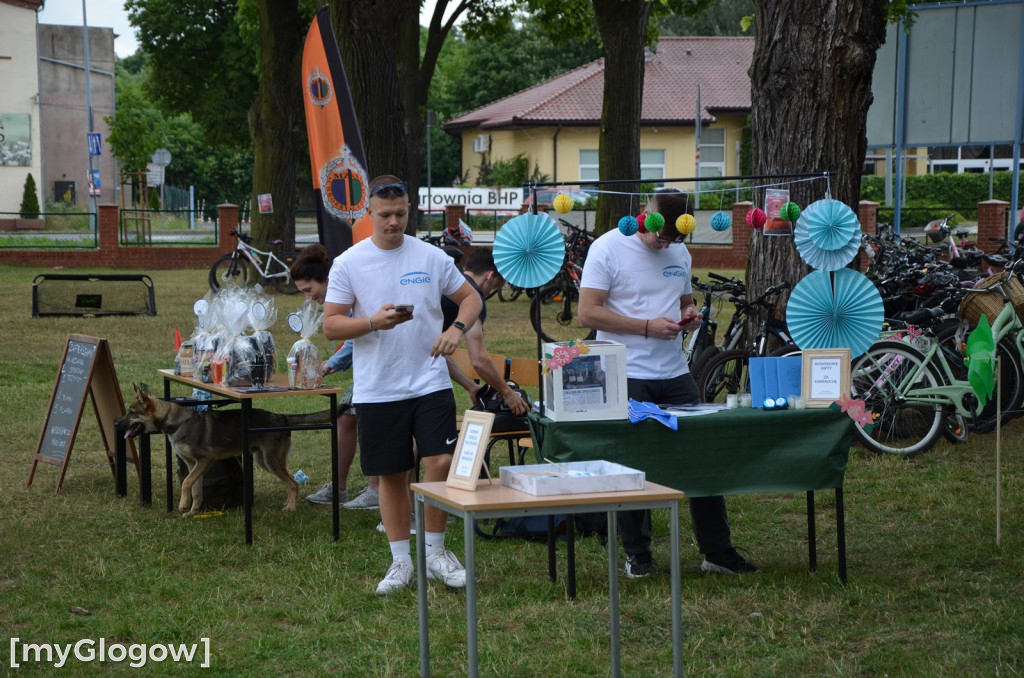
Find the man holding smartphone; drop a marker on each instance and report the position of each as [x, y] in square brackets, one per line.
[401, 388]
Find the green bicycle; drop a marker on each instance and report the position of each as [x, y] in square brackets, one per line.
[912, 390]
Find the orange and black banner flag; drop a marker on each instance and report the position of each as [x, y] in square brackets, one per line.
[335, 146]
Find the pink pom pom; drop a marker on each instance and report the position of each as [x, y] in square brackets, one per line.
[756, 218]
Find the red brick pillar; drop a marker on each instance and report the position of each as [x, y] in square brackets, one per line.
[868, 216]
[227, 221]
[109, 218]
[991, 223]
[452, 214]
[740, 231]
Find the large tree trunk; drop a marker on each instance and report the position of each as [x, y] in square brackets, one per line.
[276, 121]
[371, 40]
[623, 26]
[810, 92]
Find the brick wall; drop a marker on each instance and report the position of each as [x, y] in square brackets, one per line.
[110, 254]
[991, 223]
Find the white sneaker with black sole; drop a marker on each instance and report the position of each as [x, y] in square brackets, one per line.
[398, 577]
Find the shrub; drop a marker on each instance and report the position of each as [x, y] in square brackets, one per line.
[29, 199]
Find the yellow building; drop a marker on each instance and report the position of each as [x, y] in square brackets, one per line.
[555, 124]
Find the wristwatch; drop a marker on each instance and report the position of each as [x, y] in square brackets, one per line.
[460, 326]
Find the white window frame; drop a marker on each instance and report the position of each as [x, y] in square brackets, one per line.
[589, 171]
[712, 169]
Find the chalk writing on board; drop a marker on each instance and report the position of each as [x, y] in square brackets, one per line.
[68, 399]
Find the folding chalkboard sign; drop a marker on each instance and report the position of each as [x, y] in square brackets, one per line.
[86, 367]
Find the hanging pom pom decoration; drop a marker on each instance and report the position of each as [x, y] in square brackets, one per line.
[756, 218]
[721, 221]
[628, 225]
[655, 222]
[641, 222]
[790, 211]
[686, 224]
[563, 203]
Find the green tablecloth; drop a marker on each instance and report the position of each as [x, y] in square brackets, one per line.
[729, 452]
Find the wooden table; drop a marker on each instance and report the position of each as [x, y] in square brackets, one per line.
[496, 501]
[245, 399]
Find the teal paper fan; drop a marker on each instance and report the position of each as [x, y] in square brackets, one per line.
[529, 250]
[838, 309]
[827, 235]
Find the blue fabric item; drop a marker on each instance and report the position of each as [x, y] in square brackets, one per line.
[342, 358]
[638, 411]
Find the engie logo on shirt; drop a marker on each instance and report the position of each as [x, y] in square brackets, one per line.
[415, 278]
[674, 272]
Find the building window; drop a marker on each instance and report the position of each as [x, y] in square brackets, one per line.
[652, 164]
[589, 164]
[712, 152]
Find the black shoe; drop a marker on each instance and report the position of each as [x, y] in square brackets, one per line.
[639, 565]
[727, 562]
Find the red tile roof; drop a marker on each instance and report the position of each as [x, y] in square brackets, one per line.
[718, 64]
[27, 4]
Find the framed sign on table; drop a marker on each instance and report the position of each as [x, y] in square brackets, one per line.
[826, 376]
[470, 450]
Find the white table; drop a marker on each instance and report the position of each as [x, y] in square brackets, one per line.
[497, 501]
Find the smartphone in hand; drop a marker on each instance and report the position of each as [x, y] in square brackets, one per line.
[403, 308]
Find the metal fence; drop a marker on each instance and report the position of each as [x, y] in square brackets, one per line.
[49, 230]
[145, 228]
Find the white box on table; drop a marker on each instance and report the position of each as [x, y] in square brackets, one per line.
[591, 387]
[571, 477]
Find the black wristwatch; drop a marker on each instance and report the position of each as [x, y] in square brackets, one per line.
[460, 326]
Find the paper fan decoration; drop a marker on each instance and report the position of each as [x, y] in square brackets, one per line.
[528, 250]
[840, 309]
[827, 235]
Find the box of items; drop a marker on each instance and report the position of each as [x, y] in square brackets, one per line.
[571, 477]
[585, 381]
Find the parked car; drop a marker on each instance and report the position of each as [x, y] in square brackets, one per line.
[546, 196]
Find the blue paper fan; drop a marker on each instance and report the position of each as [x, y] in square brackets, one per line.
[840, 309]
[529, 250]
[827, 235]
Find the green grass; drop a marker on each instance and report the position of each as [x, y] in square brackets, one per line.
[930, 593]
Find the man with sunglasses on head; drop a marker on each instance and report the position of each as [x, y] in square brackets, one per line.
[636, 290]
[393, 284]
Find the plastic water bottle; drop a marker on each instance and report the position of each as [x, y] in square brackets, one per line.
[199, 394]
[300, 477]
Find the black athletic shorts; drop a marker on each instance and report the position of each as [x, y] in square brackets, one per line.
[387, 430]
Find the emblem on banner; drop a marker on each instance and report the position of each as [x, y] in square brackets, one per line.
[319, 88]
[343, 186]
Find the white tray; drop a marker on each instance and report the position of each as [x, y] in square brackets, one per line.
[574, 477]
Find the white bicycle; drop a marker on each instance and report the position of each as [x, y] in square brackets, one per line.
[246, 262]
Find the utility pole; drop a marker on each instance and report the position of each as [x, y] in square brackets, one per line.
[88, 105]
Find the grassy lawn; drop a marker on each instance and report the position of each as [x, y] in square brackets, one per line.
[929, 594]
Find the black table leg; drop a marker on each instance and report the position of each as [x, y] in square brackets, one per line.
[247, 490]
[570, 550]
[145, 471]
[552, 574]
[168, 468]
[812, 537]
[841, 533]
[334, 467]
[120, 462]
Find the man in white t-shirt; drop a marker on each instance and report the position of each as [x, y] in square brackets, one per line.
[636, 290]
[393, 285]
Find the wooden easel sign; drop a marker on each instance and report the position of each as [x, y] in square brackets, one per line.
[86, 367]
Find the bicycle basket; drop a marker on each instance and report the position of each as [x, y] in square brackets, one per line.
[991, 303]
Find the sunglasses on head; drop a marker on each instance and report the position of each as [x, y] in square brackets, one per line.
[392, 190]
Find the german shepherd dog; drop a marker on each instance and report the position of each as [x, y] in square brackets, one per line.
[201, 438]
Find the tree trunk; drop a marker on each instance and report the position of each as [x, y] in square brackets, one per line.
[623, 26]
[276, 121]
[810, 92]
[371, 39]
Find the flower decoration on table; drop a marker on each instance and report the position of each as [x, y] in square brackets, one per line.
[563, 355]
[721, 221]
[856, 410]
[628, 225]
[756, 218]
[563, 203]
[686, 224]
[790, 211]
[655, 222]
[980, 357]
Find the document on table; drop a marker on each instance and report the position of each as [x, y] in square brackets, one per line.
[693, 410]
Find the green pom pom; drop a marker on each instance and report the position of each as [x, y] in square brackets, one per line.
[655, 222]
[790, 211]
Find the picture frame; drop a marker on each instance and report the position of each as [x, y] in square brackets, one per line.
[470, 450]
[825, 376]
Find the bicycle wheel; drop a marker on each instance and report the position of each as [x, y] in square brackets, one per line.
[229, 270]
[883, 377]
[1011, 379]
[726, 373]
[702, 359]
[555, 316]
[284, 284]
[509, 292]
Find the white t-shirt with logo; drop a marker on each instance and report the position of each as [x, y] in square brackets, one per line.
[395, 364]
[641, 283]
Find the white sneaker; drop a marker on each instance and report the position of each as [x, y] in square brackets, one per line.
[367, 499]
[445, 566]
[399, 577]
[323, 495]
[412, 527]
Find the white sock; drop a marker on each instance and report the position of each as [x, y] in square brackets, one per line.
[434, 541]
[400, 550]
